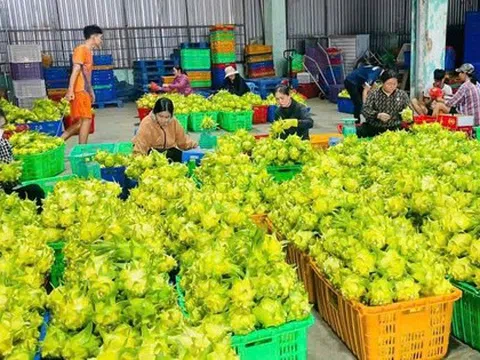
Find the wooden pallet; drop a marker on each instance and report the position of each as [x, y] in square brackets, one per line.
[103, 104]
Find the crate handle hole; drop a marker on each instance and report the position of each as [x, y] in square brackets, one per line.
[259, 342]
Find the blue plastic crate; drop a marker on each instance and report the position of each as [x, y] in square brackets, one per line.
[103, 77]
[337, 72]
[263, 64]
[271, 113]
[102, 60]
[195, 45]
[145, 64]
[53, 128]
[450, 58]
[266, 82]
[43, 334]
[198, 153]
[105, 95]
[57, 84]
[114, 174]
[407, 56]
[56, 73]
[345, 106]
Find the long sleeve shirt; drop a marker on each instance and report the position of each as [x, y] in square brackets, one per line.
[151, 135]
[237, 86]
[379, 102]
[299, 112]
[181, 84]
[467, 101]
[6, 154]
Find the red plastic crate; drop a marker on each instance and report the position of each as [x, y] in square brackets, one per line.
[260, 114]
[67, 122]
[448, 121]
[466, 129]
[421, 119]
[143, 112]
[261, 136]
[308, 90]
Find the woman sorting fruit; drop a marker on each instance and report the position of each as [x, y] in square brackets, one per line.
[297, 116]
[234, 83]
[161, 131]
[32, 192]
[180, 84]
[383, 107]
[466, 100]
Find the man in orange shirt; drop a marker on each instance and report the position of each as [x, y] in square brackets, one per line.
[80, 91]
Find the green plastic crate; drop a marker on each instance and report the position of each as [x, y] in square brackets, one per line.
[207, 141]
[222, 35]
[222, 58]
[466, 315]
[183, 120]
[201, 83]
[58, 267]
[81, 155]
[233, 121]
[196, 118]
[284, 342]
[48, 184]
[195, 59]
[284, 173]
[43, 165]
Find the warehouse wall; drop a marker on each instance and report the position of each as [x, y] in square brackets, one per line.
[387, 21]
[133, 27]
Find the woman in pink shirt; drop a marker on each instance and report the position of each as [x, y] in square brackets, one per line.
[180, 84]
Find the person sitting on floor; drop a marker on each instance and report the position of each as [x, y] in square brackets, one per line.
[383, 107]
[423, 106]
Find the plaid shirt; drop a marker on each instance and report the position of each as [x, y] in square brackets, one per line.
[467, 101]
[379, 102]
[5, 151]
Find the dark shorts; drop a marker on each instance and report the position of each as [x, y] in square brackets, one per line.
[430, 112]
[453, 110]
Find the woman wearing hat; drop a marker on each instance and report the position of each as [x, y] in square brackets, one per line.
[234, 83]
[466, 101]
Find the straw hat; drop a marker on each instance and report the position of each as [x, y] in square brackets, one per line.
[230, 70]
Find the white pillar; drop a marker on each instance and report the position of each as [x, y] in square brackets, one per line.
[429, 33]
[275, 19]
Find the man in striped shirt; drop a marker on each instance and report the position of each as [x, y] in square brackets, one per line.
[467, 99]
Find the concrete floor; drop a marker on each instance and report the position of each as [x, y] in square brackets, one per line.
[114, 125]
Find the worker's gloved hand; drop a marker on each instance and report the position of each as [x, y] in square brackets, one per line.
[289, 123]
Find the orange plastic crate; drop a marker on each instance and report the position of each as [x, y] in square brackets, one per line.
[256, 49]
[223, 46]
[320, 141]
[304, 270]
[168, 79]
[262, 221]
[103, 67]
[409, 330]
[261, 74]
[259, 58]
[224, 27]
[199, 75]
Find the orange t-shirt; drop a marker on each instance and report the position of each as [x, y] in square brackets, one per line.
[83, 56]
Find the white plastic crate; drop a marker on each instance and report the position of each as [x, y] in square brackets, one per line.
[27, 103]
[304, 78]
[29, 88]
[24, 53]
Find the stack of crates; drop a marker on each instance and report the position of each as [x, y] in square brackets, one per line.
[103, 80]
[259, 61]
[56, 79]
[198, 78]
[27, 73]
[196, 63]
[147, 71]
[222, 43]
